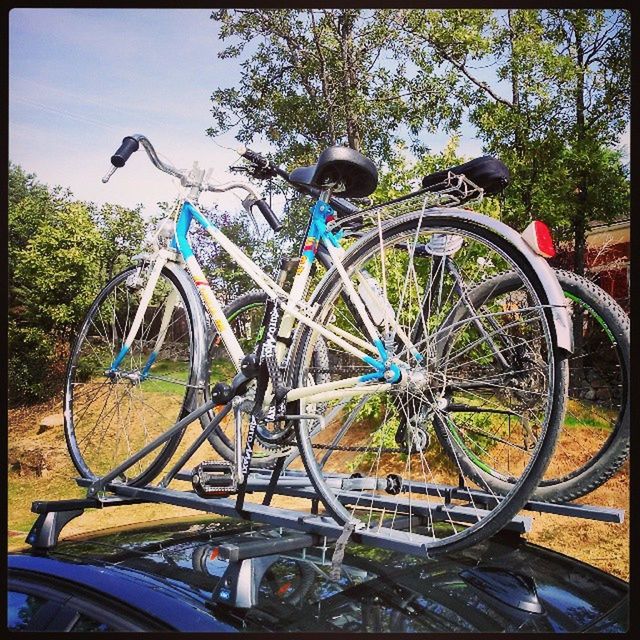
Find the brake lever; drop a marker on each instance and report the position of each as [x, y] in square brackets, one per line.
[109, 173]
[238, 168]
[247, 203]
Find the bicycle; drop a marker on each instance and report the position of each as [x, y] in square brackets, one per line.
[594, 441]
[157, 365]
[582, 462]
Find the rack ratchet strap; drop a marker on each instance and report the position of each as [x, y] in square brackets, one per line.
[273, 482]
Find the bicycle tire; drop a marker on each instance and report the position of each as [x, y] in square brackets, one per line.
[329, 289]
[611, 451]
[170, 397]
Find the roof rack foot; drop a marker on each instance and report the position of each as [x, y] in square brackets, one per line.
[46, 529]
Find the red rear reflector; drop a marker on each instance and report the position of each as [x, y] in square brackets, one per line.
[215, 552]
[538, 237]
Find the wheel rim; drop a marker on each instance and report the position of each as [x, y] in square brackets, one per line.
[381, 440]
[111, 416]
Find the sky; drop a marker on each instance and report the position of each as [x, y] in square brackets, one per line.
[82, 79]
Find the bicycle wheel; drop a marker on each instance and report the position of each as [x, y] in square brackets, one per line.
[373, 458]
[110, 416]
[245, 315]
[594, 439]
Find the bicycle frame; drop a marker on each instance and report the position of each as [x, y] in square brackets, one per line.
[292, 305]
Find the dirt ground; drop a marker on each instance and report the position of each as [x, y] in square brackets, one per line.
[40, 468]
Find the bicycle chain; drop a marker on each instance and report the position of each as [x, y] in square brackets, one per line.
[356, 449]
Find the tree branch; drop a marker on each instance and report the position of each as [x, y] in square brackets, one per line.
[462, 68]
[479, 83]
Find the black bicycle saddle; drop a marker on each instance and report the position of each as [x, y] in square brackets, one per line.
[352, 174]
[487, 172]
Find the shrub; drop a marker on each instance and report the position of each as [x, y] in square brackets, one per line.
[32, 354]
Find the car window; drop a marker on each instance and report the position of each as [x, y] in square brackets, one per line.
[21, 608]
[86, 623]
[51, 604]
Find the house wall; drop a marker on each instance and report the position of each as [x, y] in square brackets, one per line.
[607, 260]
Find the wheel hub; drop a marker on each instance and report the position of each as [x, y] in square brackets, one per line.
[134, 377]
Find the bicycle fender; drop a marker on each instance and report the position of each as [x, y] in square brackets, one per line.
[555, 296]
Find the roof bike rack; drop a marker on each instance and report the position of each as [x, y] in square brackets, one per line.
[54, 515]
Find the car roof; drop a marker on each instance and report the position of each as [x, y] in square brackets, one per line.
[176, 568]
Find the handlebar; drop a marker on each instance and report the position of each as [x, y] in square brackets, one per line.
[130, 144]
[269, 169]
[268, 215]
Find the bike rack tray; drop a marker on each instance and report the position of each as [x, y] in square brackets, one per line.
[589, 512]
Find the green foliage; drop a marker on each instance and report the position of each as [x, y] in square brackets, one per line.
[313, 78]
[31, 356]
[562, 102]
[61, 252]
[58, 272]
[23, 184]
[122, 231]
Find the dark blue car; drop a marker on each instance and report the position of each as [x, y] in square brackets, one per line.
[219, 575]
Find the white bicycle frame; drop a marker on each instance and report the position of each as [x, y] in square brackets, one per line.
[292, 305]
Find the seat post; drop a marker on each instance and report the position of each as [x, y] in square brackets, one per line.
[325, 194]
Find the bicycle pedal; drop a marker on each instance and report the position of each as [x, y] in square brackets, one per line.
[214, 479]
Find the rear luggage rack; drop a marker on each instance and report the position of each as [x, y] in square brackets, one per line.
[451, 191]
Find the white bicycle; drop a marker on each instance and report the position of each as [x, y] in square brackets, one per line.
[376, 349]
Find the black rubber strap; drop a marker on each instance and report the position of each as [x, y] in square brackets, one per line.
[273, 482]
[338, 553]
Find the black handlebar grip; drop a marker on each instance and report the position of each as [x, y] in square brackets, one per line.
[268, 214]
[253, 156]
[128, 146]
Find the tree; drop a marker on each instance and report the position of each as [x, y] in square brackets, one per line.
[315, 78]
[559, 105]
[57, 273]
[598, 43]
[60, 252]
[122, 231]
[22, 184]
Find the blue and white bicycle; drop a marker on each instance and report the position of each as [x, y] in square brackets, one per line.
[380, 348]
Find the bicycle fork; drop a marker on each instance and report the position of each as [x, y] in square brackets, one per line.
[161, 260]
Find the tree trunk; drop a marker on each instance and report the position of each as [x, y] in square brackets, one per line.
[346, 40]
[326, 91]
[519, 132]
[579, 225]
[580, 218]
